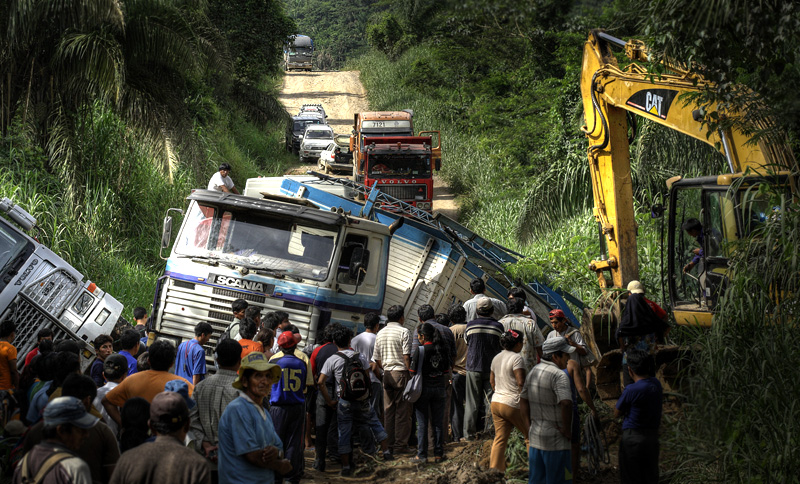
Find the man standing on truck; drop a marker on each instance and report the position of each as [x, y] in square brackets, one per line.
[221, 181]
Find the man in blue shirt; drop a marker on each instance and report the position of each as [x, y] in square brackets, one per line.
[640, 405]
[130, 348]
[190, 360]
[249, 449]
[287, 401]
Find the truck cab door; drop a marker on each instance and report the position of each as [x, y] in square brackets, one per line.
[362, 286]
[436, 149]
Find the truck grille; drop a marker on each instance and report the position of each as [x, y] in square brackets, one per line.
[29, 320]
[52, 291]
[404, 192]
[184, 308]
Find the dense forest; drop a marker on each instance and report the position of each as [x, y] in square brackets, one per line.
[111, 111]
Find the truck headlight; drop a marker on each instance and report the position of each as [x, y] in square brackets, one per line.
[102, 317]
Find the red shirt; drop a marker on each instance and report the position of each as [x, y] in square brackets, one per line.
[658, 310]
[30, 356]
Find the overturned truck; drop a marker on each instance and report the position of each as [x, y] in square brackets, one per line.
[320, 257]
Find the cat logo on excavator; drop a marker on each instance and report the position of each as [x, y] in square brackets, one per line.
[655, 102]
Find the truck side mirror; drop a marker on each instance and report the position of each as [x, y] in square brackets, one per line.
[166, 231]
[358, 264]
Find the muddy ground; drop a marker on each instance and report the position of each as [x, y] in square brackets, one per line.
[467, 463]
[342, 95]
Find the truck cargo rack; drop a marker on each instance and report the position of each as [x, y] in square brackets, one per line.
[498, 255]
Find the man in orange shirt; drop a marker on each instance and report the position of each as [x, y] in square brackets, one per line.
[146, 384]
[9, 377]
[247, 331]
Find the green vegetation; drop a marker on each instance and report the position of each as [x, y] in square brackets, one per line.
[122, 111]
[500, 80]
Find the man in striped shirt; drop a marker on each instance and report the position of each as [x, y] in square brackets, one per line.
[393, 355]
[483, 343]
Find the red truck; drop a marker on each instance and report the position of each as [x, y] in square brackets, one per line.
[403, 167]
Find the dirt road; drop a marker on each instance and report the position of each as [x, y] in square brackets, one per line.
[342, 95]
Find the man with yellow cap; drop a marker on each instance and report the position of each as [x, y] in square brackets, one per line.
[249, 449]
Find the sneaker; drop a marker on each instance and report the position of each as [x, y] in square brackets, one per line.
[319, 465]
[346, 472]
[387, 456]
[419, 460]
[439, 459]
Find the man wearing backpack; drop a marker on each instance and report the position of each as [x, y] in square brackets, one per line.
[66, 426]
[349, 370]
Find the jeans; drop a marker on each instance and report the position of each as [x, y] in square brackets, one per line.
[327, 432]
[457, 406]
[430, 408]
[397, 412]
[289, 422]
[549, 466]
[479, 394]
[376, 400]
[360, 412]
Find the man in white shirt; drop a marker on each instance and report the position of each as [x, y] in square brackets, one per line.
[115, 369]
[221, 182]
[477, 287]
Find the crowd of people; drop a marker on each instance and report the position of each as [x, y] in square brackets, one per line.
[156, 413]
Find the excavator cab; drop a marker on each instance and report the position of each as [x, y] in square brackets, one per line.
[727, 208]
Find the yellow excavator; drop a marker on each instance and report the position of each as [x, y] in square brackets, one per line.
[706, 213]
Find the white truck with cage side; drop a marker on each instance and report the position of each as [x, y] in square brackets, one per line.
[39, 289]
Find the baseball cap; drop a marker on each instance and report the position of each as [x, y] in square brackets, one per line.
[484, 303]
[636, 287]
[383, 320]
[287, 339]
[557, 313]
[257, 361]
[552, 345]
[169, 409]
[63, 410]
[181, 388]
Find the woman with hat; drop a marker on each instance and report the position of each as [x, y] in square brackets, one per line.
[249, 449]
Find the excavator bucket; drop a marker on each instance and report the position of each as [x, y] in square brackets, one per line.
[598, 327]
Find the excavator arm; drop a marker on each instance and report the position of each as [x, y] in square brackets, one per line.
[609, 93]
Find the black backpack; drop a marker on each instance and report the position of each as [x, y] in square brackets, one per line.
[355, 382]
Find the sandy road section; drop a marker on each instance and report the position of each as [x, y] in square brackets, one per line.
[342, 95]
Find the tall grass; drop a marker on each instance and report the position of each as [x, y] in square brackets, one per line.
[743, 424]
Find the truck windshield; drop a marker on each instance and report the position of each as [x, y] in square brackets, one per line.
[301, 125]
[399, 164]
[258, 241]
[13, 250]
[305, 51]
[319, 134]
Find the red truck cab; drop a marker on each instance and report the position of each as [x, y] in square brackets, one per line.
[403, 167]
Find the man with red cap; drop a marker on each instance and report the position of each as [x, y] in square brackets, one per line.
[564, 328]
[287, 400]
